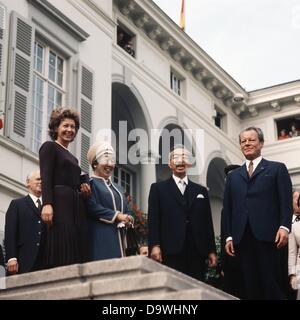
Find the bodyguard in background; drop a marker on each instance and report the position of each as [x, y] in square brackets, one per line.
[181, 233]
[257, 217]
[24, 229]
[232, 281]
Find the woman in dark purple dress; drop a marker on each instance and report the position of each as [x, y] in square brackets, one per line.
[63, 207]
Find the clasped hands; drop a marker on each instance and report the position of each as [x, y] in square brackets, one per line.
[126, 219]
[47, 214]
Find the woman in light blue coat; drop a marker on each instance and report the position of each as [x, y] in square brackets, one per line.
[108, 212]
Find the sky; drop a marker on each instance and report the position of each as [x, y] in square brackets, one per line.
[256, 41]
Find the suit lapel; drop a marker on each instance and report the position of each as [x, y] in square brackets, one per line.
[192, 193]
[32, 205]
[260, 168]
[243, 172]
[175, 190]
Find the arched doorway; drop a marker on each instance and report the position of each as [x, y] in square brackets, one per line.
[215, 182]
[127, 115]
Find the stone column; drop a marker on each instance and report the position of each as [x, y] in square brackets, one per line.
[148, 176]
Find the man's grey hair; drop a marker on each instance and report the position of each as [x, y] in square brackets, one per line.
[30, 174]
[176, 147]
[259, 132]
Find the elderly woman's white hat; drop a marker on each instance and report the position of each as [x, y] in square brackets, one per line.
[98, 149]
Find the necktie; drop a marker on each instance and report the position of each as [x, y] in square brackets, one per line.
[181, 185]
[297, 218]
[250, 169]
[39, 204]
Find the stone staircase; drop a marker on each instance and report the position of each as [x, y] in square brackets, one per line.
[128, 278]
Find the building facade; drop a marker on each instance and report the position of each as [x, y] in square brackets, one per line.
[135, 77]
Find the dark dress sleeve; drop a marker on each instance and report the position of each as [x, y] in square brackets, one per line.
[47, 168]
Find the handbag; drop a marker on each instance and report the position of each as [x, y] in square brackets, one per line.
[132, 242]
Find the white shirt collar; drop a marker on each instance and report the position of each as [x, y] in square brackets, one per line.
[255, 162]
[176, 179]
[34, 198]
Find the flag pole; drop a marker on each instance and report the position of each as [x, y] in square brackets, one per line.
[182, 16]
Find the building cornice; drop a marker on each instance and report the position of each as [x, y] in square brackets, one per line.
[152, 21]
[190, 111]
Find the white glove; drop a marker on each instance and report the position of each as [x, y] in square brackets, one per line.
[293, 282]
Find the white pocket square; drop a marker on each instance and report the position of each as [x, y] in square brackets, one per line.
[200, 196]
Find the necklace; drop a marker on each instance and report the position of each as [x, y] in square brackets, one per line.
[61, 145]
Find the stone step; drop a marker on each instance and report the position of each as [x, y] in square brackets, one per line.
[126, 278]
[116, 288]
[189, 294]
[149, 284]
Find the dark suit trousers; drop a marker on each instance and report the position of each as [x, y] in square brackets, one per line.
[39, 263]
[261, 268]
[188, 261]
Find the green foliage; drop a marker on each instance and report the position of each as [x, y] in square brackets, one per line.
[140, 222]
[213, 276]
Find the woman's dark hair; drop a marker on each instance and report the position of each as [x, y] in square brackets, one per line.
[60, 114]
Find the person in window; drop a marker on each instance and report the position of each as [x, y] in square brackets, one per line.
[120, 39]
[108, 211]
[294, 246]
[283, 134]
[62, 191]
[24, 229]
[129, 47]
[295, 132]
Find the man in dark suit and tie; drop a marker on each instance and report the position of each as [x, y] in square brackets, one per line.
[24, 228]
[181, 233]
[257, 217]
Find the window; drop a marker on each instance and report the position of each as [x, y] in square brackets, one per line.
[220, 119]
[176, 82]
[126, 40]
[124, 178]
[47, 90]
[288, 127]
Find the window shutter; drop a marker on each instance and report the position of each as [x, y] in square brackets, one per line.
[85, 106]
[20, 77]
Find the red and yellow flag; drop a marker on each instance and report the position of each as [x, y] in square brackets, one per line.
[182, 16]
